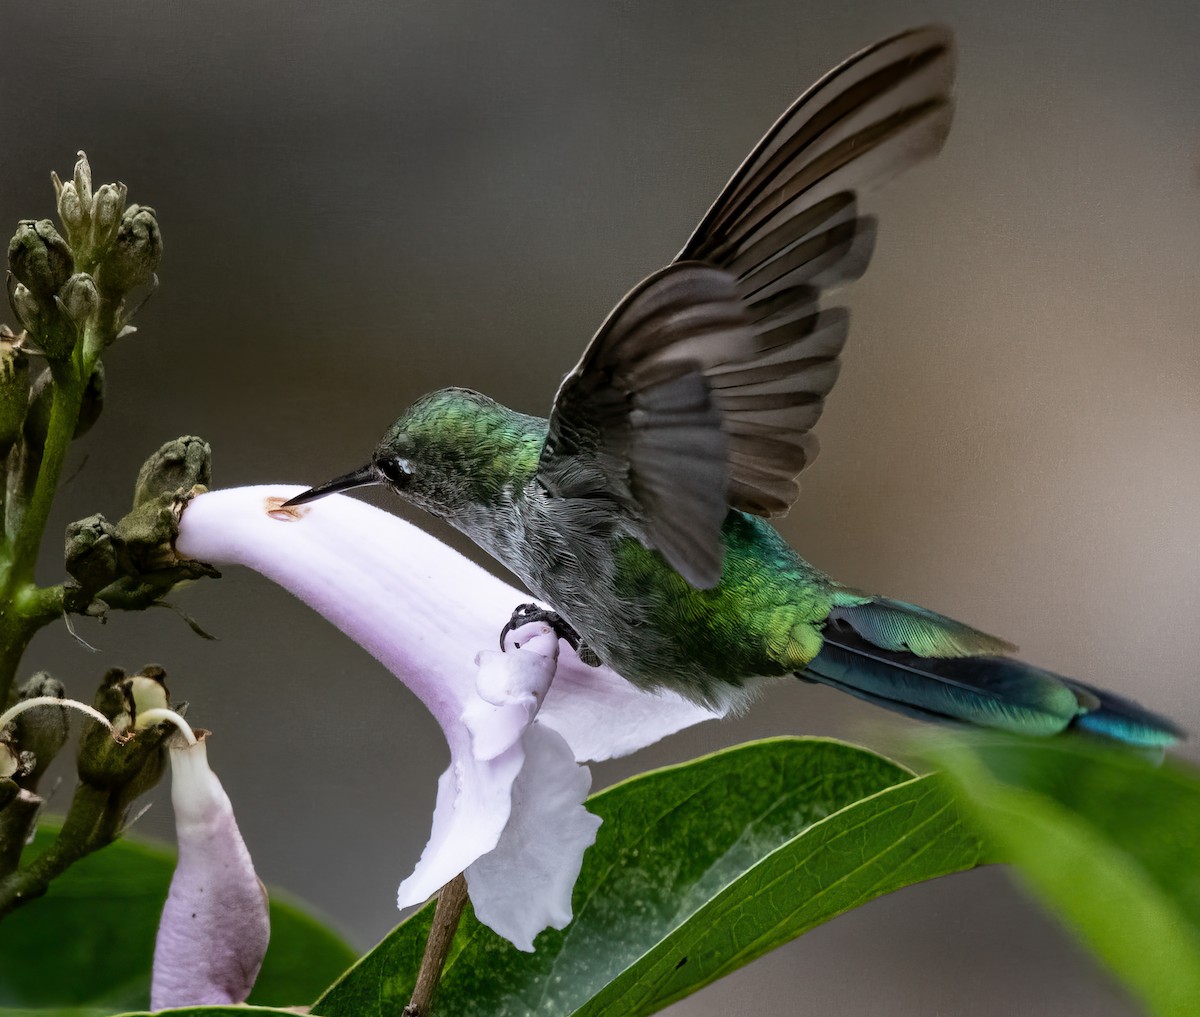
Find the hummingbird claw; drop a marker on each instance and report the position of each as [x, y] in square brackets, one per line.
[527, 613]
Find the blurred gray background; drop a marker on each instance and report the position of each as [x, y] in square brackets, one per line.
[363, 201]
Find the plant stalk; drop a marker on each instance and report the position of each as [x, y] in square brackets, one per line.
[452, 898]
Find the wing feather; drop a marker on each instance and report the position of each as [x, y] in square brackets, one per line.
[698, 393]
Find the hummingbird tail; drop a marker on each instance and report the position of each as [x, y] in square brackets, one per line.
[984, 690]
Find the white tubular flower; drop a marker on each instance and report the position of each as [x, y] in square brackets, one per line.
[509, 808]
[214, 928]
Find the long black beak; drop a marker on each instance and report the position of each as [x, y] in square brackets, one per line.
[359, 478]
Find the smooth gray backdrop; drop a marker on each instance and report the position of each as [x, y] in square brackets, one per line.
[362, 201]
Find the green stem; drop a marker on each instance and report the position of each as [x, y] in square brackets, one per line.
[93, 821]
[22, 609]
[69, 384]
[16, 822]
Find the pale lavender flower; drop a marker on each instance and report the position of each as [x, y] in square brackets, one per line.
[509, 808]
[214, 928]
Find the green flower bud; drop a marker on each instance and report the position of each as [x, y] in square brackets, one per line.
[92, 554]
[72, 213]
[41, 397]
[14, 390]
[107, 208]
[80, 297]
[40, 258]
[26, 306]
[40, 732]
[179, 465]
[45, 322]
[134, 254]
[83, 180]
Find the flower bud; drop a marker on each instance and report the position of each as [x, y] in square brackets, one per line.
[91, 554]
[178, 465]
[107, 208]
[14, 389]
[45, 321]
[83, 180]
[26, 307]
[40, 258]
[72, 213]
[134, 254]
[80, 298]
[39, 733]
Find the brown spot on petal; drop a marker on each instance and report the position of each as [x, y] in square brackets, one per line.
[274, 508]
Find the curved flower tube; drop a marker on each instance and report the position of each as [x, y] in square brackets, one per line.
[214, 929]
[516, 723]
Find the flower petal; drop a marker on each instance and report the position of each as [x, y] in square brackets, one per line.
[474, 802]
[474, 798]
[602, 716]
[525, 884]
[214, 928]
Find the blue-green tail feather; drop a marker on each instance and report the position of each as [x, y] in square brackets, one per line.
[986, 690]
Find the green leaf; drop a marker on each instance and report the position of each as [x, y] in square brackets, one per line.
[89, 942]
[191, 1011]
[1109, 842]
[697, 870]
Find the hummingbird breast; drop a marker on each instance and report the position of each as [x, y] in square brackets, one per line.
[645, 620]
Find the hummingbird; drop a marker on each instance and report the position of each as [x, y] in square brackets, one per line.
[639, 509]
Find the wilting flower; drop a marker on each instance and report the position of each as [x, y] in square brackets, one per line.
[509, 808]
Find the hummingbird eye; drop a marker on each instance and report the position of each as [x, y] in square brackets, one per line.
[395, 469]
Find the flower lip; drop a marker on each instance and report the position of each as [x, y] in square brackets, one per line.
[364, 476]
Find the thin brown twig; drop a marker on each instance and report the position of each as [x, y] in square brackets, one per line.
[452, 898]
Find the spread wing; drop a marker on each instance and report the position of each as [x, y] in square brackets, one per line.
[699, 391]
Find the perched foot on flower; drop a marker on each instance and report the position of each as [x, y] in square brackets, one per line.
[528, 613]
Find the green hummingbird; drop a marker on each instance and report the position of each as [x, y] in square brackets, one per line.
[639, 509]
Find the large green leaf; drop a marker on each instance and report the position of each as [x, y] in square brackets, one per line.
[191, 1011]
[89, 942]
[697, 869]
[1109, 842]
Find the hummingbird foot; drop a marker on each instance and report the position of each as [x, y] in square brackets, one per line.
[527, 613]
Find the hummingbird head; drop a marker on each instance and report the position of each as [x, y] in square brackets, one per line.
[451, 449]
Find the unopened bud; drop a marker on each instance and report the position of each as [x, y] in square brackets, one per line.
[14, 389]
[179, 465]
[72, 213]
[80, 297]
[135, 253]
[41, 732]
[91, 553]
[45, 322]
[107, 208]
[26, 307]
[40, 258]
[83, 180]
